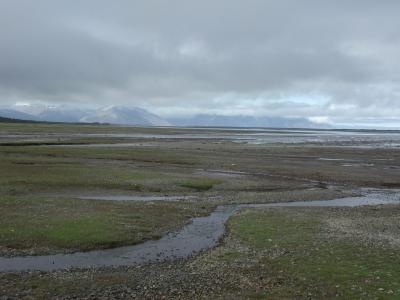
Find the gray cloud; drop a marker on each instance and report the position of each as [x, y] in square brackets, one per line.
[313, 58]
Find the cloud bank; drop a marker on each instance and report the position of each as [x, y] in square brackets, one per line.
[331, 61]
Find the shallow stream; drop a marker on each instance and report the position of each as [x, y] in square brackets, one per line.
[201, 234]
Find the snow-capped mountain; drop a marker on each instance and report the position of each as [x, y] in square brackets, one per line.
[69, 113]
[125, 116]
[14, 114]
[42, 112]
[28, 108]
[63, 113]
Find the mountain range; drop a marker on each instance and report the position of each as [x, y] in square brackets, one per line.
[119, 115]
[123, 115]
[244, 121]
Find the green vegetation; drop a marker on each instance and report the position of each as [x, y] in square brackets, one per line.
[41, 225]
[26, 170]
[25, 177]
[201, 184]
[129, 154]
[303, 263]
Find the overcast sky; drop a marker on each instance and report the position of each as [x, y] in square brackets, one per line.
[331, 61]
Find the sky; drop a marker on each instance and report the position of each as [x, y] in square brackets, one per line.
[329, 61]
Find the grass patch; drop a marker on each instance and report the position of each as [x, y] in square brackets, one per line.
[25, 174]
[28, 175]
[303, 264]
[200, 184]
[40, 225]
[150, 155]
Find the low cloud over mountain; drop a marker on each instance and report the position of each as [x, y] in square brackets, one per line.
[68, 113]
[245, 121]
[122, 115]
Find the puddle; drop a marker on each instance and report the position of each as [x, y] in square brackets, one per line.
[373, 198]
[138, 198]
[202, 233]
[358, 165]
[331, 159]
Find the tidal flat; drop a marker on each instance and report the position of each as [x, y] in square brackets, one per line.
[57, 189]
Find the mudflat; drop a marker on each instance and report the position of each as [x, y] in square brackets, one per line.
[80, 188]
